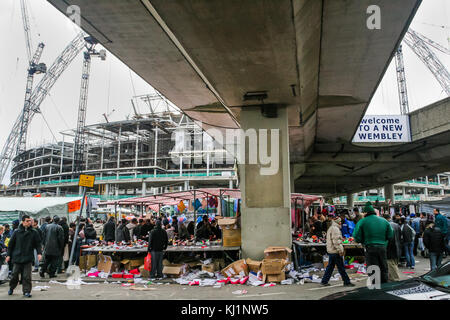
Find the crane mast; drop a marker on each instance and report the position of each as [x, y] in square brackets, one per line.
[37, 96]
[78, 151]
[401, 80]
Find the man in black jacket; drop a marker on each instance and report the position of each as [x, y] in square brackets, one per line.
[39, 231]
[122, 233]
[21, 252]
[393, 250]
[109, 230]
[54, 245]
[89, 232]
[157, 243]
[434, 241]
[62, 265]
[145, 229]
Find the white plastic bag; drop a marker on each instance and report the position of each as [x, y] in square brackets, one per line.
[4, 272]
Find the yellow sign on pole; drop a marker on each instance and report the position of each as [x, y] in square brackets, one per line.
[86, 181]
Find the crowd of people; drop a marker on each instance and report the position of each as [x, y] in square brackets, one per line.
[45, 248]
[387, 239]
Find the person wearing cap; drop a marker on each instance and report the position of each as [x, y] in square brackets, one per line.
[54, 246]
[336, 253]
[374, 233]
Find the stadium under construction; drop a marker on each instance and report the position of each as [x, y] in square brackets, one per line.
[149, 154]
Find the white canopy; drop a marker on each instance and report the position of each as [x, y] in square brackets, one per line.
[12, 207]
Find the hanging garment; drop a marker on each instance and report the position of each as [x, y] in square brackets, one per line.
[181, 206]
[197, 204]
[204, 203]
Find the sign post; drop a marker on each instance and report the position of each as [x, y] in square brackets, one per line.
[85, 182]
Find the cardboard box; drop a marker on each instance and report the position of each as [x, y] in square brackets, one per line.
[82, 262]
[144, 273]
[274, 277]
[277, 253]
[227, 223]
[135, 263]
[237, 268]
[231, 237]
[130, 264]
[174, 270]
[209, 267]
[253, 265]
[219, 264]
[104, 263]
[166, 262]
[87, 261]
[272, 266]
[194, 264]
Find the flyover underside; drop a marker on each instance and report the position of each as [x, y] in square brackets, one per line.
[342, 168]
[317, 57]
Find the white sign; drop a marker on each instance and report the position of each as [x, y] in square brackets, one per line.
[383, 129]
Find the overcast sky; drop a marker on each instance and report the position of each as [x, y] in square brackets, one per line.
[112, 84]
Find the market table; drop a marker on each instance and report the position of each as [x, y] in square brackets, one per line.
[193, 248]
[299, 245]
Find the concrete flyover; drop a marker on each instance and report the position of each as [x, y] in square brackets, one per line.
[315, 61]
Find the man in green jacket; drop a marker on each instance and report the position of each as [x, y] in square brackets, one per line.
[374, 233]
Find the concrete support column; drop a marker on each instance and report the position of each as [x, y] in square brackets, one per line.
[231, 184]
[58, 191]
[425, 192]
[389, 193]
[350, 201]
[80, 190]
[186, 185]
[266, 218]
[144, 188]
[107, 189]
[117, 190]
[365, 194]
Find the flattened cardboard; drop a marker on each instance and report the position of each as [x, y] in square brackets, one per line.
[104, 263]
[237, 268]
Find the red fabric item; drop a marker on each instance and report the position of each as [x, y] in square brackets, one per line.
[134, 271]
[148, 262]
[227, 280]
[128, 276]
[243, 280]
[234, 281]
[117, 275]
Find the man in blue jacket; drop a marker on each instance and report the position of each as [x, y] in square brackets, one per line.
[441, 222]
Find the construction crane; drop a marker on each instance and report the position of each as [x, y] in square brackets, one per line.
[34, 67]
[419, 44]
[78, 150]
[39, 93]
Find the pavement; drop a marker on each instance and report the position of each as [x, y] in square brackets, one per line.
[99, 290]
